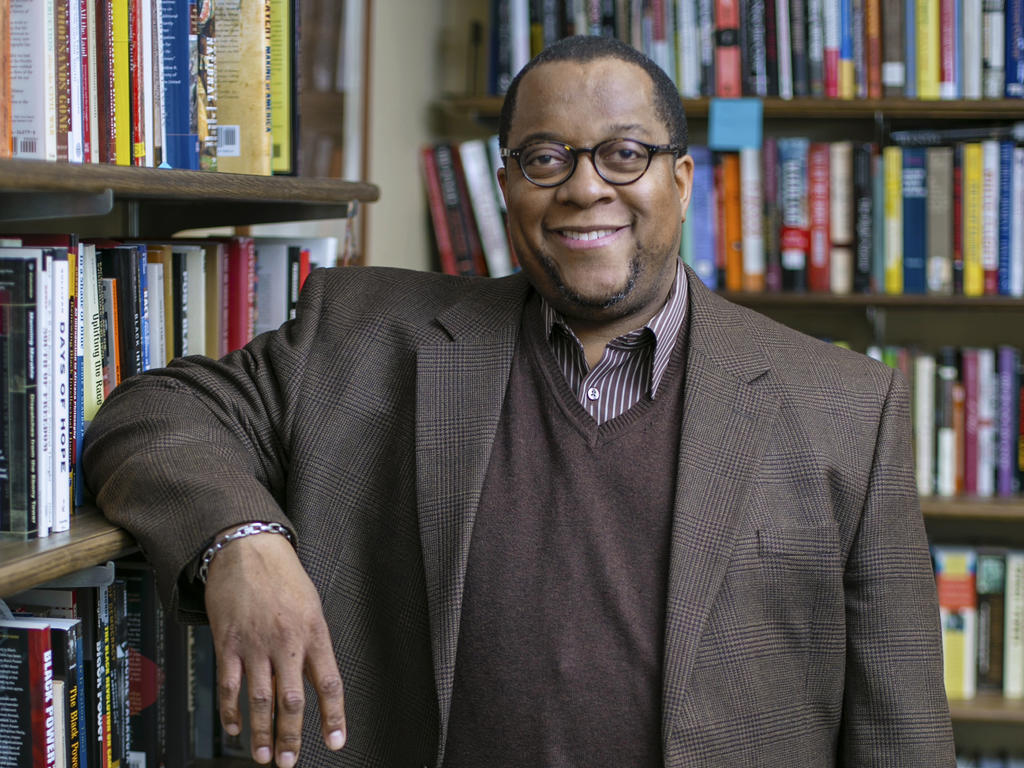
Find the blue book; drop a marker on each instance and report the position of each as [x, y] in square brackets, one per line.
[1005, 207]
[1014, 51]
[910, 49]
[181, 135]
[794, 229]
[701, 217]
[143, 259]
[915, 204]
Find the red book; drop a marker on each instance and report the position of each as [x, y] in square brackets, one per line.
[947, 48]
[969, 366]
[728, 65]
[818, 275]
[137, 77]
[438, 216]
[241, 291]
[26, 693]
[87, 147]
[873, 47]
[473, 243]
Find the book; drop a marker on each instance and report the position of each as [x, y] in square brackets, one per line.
[924, 422]
[728, 64]
[752, 219]
[1014, 45]
[955, 579]
[987, 415]
[993, 61]
[892, 160]
[487, 215]
[121, 117]
[33, 90]
[5, 80]
[701, 216]
[926, 16]
[793, 202]
[243, 116]
[841, 215]
[893, 70]
[816, 47]
[1013, 607]
[864, 216]
[1008, 361]
[282, 83]
[971, 48]
[732, 230]
[945, 427]
[181, 134]
[914, 185]
[818, 174]
[990, 161]
[204, 26]
[972, 214]
[241, 270]
[1004, 210]
[772, 215]
[939, 223]
[26, 693]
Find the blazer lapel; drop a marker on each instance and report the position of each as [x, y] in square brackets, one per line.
[460, 389]
[726, 420]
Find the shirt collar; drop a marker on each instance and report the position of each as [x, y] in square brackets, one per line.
[663, 327]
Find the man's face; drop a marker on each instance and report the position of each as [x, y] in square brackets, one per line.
[600, 254]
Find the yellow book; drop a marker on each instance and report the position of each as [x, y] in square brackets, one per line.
[281, 107]
[927, 18]
[974, 273]
[122, 82]
[243, 116]
[892, 168]
[955, 580]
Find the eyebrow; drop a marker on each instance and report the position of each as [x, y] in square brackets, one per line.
[620, 131]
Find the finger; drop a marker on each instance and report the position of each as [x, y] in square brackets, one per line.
[290, 700]
[260, 682]
[229, 684]
[322, 671]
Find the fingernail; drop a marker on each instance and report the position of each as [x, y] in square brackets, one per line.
[286, 760]
[263, 755]
[232, 729]
[335, 740]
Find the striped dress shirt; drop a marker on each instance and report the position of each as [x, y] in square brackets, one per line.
[632, 365]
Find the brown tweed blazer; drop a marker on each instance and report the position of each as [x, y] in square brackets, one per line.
[802, 626]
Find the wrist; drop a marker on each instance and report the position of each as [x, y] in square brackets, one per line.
[235, 533]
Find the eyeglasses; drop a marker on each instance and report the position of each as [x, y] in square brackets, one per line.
[617, 161]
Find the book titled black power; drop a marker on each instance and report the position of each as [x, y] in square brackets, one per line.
[27, 727]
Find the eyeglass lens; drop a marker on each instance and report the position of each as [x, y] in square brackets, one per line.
[619, 161]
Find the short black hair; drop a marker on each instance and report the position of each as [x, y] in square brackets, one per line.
[580, 48]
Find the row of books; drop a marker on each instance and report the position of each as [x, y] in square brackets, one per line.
[167, 83]
[77, 317]
[841, 217]
[845, 49]
[467, 209]
[989, 760]
[967, 406]
[95, 675]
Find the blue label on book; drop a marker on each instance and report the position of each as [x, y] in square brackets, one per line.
[735, 124]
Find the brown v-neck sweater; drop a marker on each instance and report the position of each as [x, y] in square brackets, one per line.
[561, 640]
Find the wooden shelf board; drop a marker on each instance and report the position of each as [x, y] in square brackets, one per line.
[177, 185]
[825, 109]
[914, 302]
[1010, 510]
[987, 708]
[91, 540]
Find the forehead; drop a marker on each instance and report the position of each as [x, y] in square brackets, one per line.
[584, 102]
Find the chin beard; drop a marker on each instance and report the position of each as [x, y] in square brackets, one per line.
[573, 298]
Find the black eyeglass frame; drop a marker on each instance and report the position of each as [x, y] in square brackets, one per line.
[652, 150]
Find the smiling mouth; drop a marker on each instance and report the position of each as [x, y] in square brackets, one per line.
[572, 234]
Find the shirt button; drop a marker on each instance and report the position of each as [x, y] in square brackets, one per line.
[593, 393]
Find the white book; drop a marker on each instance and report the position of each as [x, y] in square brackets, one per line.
[519, 18]
[945, 439]
[146, 22]
[990, 204]
[1017, 225]
[924, 422]
[157, 324]
[157, 76]
[971, 48]
[1013, 640]
[92, 333]
[60, 408]
[33, 86]
[44, 390]
[785, 49]
[688, 46]
[752, 218]
[494, 149]
[76, 132]
[196, 266]
[840, 217]
[987, 393]
[271, 285]
[993, 47]
[478, 173]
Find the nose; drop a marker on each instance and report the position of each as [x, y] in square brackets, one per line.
[584, 187]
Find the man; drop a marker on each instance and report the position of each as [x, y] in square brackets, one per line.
[590, 515]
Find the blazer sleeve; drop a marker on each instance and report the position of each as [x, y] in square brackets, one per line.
[895, 708]
[177, 454]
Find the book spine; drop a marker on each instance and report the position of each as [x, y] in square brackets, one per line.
[987, 413]
[924, 422]
[915, 199]
[62, 75]
[992, 625]
[76, 45]
[955, 578]
[859, 46]
[137, 84]
[752, 220]
[990, 216]
[928, 49]
[61, 406]
[818, 203]
[892, 158]
[44, 391]
[771, 47]
[958, 220]
[728, 66]
[949, 75]
[772, 216]
[973, 213]
[6, 140]
[464, 261]
[466, 218]
[784, 46]
[181, 142]
[939, 228]
[893, 70]
[841, 217]
[863, 201]
[1013, 650]
[122, 117]
[798, 42]
[754, 52]
[1005, 194]
[702, 216]
[945, 434]
[1008, 425]
[816, 47]
[206, 42]
[477, 169]
[793, 200]
[31, 82]
[1016, 280]
[831, 25]
[1014, 44]
[910, 48]
[876, 63]
[993, 59]
[732, 219]
[971, 48]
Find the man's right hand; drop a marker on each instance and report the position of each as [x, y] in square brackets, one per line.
[267, 624]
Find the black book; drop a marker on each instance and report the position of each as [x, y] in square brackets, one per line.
[863, 211]
[121, 263]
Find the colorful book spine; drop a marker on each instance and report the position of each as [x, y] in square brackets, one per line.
[955, 579]
[939, 228]
[1016, 278]
[818, 210]
[701, 216]
[969, 366]
[752, 219]
[732, 232]
[1008, 421]
[181, 137]
[928, 48]
[1004, 210]
[1014, 44]
[924, 422]
[728, 65]
[992, 625]
[974, 272]
[990, 216]
[993, 60]
[892, 158]
[949, 69]
[26, 693]
[988, 392]
[915, 202]
[793, 202]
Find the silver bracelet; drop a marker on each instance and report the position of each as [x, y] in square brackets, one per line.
[249, 529]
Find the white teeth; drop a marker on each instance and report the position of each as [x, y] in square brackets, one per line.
[571, 235]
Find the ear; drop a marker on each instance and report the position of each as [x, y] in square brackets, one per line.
[502, 182]
[684, 182]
